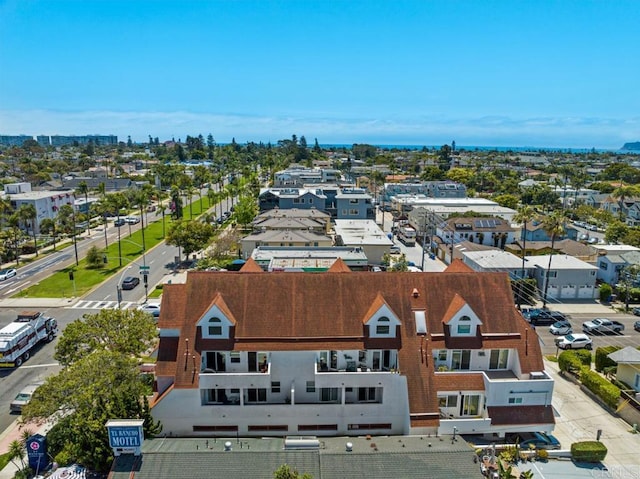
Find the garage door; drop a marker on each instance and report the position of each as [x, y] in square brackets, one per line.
[585, 291]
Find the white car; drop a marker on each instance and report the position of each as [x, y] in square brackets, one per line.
[151, 308]
[132, 220]
[560, 328]
[574, 341]
[7, 273]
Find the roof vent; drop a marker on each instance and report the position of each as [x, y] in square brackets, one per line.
[349, 447]
[415, 293]
[227, 446]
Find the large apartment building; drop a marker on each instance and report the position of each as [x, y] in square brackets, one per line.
[340, 353]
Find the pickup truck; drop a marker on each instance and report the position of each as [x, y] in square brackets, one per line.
[602, 326]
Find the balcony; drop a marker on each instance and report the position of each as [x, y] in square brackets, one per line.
[211, 379]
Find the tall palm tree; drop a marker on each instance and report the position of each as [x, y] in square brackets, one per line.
[14, 225]
[525, 215]
[28, 214]
[553, 225]
[48, 226]
[84, 190]
[621, 193]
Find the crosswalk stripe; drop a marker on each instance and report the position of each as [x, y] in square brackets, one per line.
[85, 304]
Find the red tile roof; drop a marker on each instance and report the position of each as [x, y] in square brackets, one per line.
[251, 266]
[458, 266]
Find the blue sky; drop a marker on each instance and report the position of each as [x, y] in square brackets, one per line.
[492, 73]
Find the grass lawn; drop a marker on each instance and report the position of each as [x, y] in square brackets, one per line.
[58, 285]
[4, 460]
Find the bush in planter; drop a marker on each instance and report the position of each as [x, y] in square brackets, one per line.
[542, 454]
[588, 451]
[602, 361]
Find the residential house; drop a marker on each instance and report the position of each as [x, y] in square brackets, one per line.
[569, 277]
[364, 234]
[579, 250]
[494, 232]
[535, 232]
[628, 371]
[497, 260]
[355, 204]
[294, 218]
[300, 258]
[612, 266]
[595, 200]
[287, 198]
[347, 354]
[297, 238]
[445, 207]
[298, 176]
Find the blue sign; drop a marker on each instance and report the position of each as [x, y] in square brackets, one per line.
[37, 452]
[125, 436]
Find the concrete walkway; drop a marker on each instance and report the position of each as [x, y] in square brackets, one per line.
[578, 418]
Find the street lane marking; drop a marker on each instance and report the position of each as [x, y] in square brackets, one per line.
[33, 366]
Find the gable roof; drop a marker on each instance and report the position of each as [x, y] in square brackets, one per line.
[627, 355]
[307, 311]
[250, 266]
[458, 266]
[339, 266]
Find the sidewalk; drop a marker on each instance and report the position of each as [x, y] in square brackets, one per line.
[578, 418]
[14, 433]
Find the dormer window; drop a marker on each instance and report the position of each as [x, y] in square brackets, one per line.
[383, 326]
[215, 326]
[464, 325]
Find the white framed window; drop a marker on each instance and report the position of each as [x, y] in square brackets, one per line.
[448, 401]
[311, 386]
[464, 328]
[498, 359]
[234, 356]
[215, 326]
[383, 328]
[515, 400]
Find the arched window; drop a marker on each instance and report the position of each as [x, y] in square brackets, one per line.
[215, 326]
[383, 328]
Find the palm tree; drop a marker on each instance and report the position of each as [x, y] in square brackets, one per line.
[84, 189]
[525, 215]
[48, 227]
[14, 225]
[16, 453]
[621, 193]
[28, 215]
[553, 225]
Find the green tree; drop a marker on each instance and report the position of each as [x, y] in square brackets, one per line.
[286, 472]
[525, 215]
[507, 200]
[127, 332]
[84, 190]
[190, 236]
[28, 214]
[94, 258]
[621, 194]
[616, 231]
[48, 227]
[246, 210]
[553, 225]
[460, 175]
[99, 386]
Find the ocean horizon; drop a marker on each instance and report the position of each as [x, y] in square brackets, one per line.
[532, 149]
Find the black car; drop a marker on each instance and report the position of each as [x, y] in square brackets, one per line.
[546, 317]
[118, 222]
[130, 282]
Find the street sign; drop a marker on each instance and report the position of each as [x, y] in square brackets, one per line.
[144, 269]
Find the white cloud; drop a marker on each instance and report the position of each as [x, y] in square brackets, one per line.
[484, 131]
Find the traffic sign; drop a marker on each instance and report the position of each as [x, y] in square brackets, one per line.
[144, 269]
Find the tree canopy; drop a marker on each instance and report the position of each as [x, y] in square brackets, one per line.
[191, 236]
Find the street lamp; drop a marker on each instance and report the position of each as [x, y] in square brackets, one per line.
[118, 288]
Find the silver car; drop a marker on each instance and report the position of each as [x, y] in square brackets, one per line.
[560, 328]
[23, 398]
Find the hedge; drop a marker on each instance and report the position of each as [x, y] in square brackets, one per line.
[605, 292]
[585, 356]
[600, 387]
[588, 451]
[572, 361]
[602, 361]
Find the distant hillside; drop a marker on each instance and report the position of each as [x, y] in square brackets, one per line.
[631, 146]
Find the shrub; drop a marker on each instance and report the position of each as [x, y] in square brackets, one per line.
[542, 454]
[600, 387]
[588, 451]
[94, 258]
[602, 361]
[605, 292]
[27, 248]
[585, 356]
[568, 361]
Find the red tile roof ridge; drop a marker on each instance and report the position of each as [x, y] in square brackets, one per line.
[377, 303]
[339, 266]
[455, 305]
[458, 266]
[251, 266]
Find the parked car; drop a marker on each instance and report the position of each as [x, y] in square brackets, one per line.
[23, 398]
[543, 316]
[130, 282]
[636, 325]
[636, 311]
[560, 328]
[537, 440]
[574, 341]
[395, 249]
[119, 222]
[602, 326]
[7, 273]
[151, 308]
[132, 220]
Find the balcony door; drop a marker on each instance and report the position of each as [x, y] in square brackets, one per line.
[470, 405]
